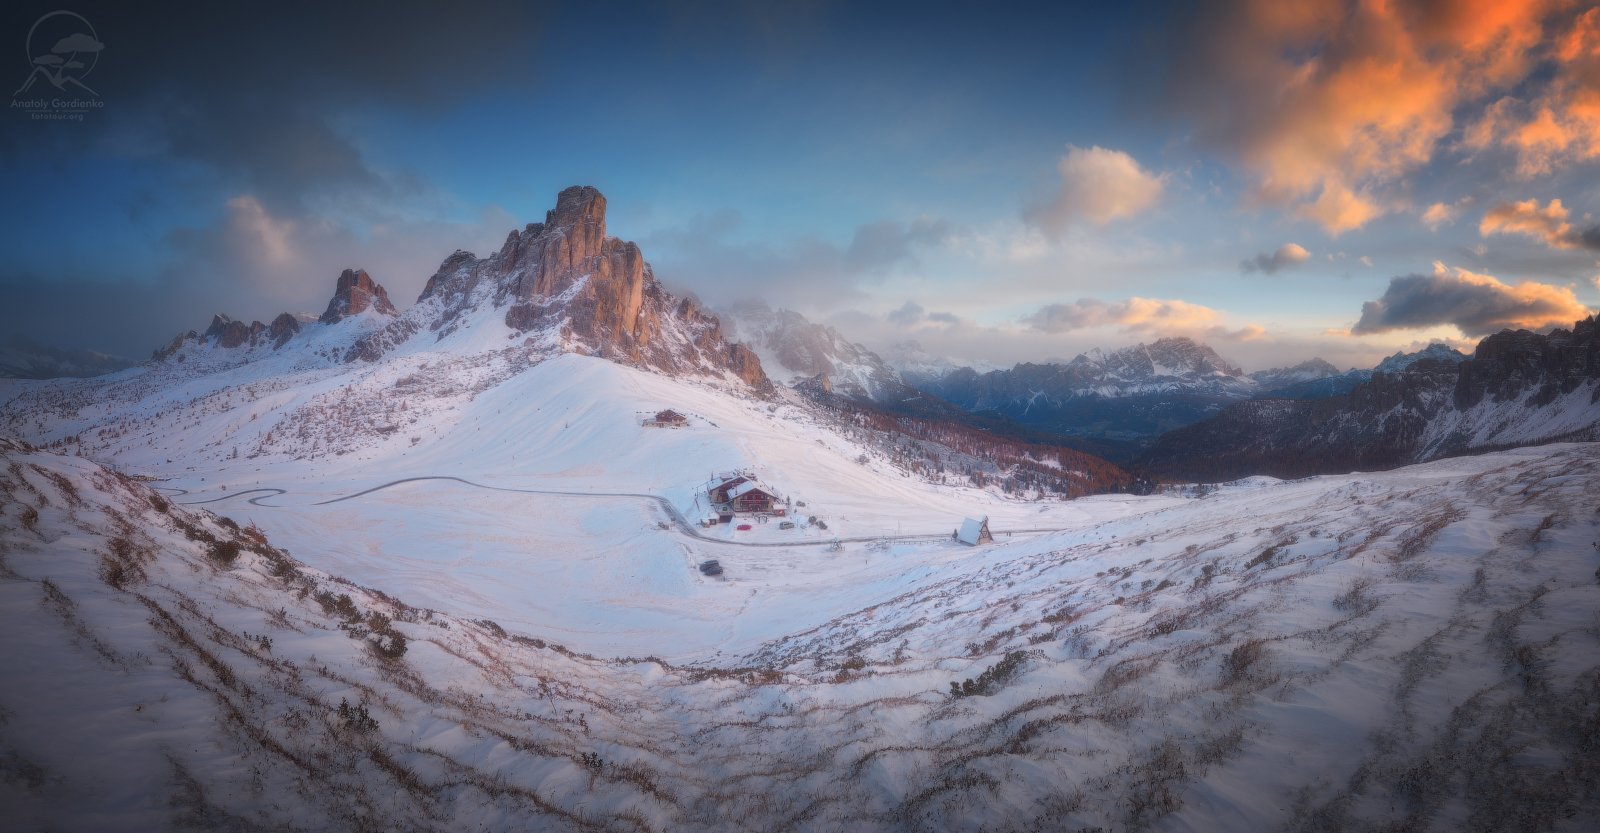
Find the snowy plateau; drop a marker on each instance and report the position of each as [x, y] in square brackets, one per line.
[429, 570]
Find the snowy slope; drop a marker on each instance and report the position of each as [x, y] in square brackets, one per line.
[1339, 653]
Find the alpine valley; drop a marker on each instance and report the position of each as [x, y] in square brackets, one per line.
[486, 562]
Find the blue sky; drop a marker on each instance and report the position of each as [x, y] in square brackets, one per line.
[1040, 180]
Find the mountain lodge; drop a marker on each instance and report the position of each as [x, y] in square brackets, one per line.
[741, 493]
[667, 419]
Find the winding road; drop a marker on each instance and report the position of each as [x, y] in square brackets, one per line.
[678, 520]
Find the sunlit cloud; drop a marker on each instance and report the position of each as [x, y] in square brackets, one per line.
[1549, 224]
[1475, 304]
[1331, 105]
[1289, 254]
[1441, 214]
[1133, 314]
[1560, 122]
[1098, 185]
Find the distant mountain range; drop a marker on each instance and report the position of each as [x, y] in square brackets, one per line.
[1518, 388]
[1176, 408]
[21, 358]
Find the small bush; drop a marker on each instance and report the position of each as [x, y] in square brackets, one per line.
[1242, 658]
[224, 553]
[160, 503]
[356, 718]
[390, 645]
[993, 678]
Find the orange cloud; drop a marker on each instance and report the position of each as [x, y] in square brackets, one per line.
[1548, 224]
[1560, 122]
[1099, 185]
[1148, 314]
[1331, 104]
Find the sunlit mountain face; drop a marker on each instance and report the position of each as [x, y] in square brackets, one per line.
[1159, 417]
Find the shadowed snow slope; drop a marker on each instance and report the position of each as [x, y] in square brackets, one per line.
[1416, 648]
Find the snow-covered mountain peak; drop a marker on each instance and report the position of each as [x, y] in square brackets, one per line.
[1309, 370]
[1166, 362]
[794, 348]
[1436, 351]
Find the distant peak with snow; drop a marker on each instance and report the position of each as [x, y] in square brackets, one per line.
[1436, 351]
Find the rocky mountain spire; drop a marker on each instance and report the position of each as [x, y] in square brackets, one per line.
[356, 292]
[597, 291]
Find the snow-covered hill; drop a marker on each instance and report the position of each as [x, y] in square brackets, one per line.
[1340, 653]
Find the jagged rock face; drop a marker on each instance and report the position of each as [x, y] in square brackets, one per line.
[566, 273]
[355, 293]
[226, 332]
[1508, 363]
[282, 329]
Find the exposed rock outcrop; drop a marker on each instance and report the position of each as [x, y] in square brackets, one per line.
[355, 293]
[566, 275]
[229, 333]
[282, 329]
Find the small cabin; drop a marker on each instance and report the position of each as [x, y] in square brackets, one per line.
[974, 532]
[667, 419]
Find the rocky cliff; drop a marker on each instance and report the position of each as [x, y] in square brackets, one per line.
[597, 293]
[354, 293]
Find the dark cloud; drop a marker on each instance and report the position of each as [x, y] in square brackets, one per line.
[944, 317]
[254, 93]
[1289, 254]
[1475, 304]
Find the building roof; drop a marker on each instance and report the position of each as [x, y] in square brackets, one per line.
[746, 488]
[972, 531]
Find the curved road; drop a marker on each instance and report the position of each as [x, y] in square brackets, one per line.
[678, 520]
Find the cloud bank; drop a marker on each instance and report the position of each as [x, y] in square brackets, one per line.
[1475, 304]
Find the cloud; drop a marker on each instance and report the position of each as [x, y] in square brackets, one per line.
[1289, 254]
[1098, 185]
[807, 272]
[1549, 224]
[263, 117]
[909, 313]
[1475, 304]
[1330, 105]
[1366, 261]
[875, 247]
[1442, 214]
[1144, 314]
[1558, 122]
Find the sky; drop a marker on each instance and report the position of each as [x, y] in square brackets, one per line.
[1017, 183]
